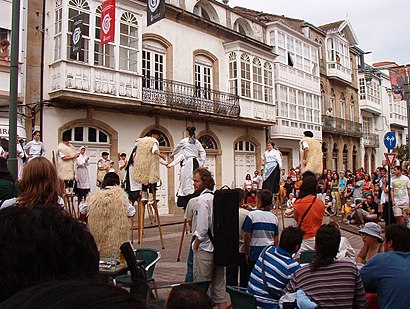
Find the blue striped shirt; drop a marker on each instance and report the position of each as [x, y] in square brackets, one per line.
[264, 227]
[279, 266]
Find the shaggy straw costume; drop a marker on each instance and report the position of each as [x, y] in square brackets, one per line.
[314, 157]
[102, 173]
[107, 219]
[66, 169]
[146, 166]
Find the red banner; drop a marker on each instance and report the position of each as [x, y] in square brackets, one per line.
[107, 21]
[397, 80]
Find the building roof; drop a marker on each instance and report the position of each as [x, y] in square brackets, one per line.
[332, 25]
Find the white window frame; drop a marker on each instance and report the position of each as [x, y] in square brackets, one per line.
[245, 75]
[128, 43]
[58, 29]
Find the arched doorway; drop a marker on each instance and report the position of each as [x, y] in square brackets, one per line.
[245, 161]
[211, 149]
[354, 158]
[324, 151]
[96, 140]
[335, 153]
[345, 157]
[373, 161]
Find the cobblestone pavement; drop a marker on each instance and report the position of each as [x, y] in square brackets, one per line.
[170, 271]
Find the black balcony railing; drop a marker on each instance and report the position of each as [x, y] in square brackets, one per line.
[341, 126]
[371, 140]
[188, 97]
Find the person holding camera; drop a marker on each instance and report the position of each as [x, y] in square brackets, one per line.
[365, 211]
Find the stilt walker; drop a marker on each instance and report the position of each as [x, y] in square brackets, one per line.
[146, 172]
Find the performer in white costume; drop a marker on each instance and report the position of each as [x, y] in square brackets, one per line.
[35, 147]
[20, 156]
[190, 155]
[272, 161]
[83, 174]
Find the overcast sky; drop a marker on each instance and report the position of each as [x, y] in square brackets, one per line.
[381, 26]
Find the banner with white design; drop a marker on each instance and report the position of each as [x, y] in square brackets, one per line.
[155, 11]
[76, 35]
[107, 21]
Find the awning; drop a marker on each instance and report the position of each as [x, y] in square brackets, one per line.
[4, 129]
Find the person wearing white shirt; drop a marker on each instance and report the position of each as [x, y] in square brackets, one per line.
[190, 155]
[83, 174]
[204, 267]
[272, 161]
[35, 148]
[20, 157]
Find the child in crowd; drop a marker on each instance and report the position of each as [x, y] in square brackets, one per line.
[251, 200]
[289, 206]
[328, 205]
[346, 211]
[111, 168]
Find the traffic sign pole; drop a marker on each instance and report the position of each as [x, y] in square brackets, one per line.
[390, 142]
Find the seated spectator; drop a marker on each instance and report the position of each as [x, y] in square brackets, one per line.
[8, 186]
[73, 294]
[387, 274]
[232, 270]
[251, 199]
[260, 228]
[328, 282]
[41, 246]
[372, 242]
[274, 267]
[188, 297]
[108, 210]
[367, 210]
[39, 186]
[346, 211]
[289, 206]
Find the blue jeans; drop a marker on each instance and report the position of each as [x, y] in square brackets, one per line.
[189, 277]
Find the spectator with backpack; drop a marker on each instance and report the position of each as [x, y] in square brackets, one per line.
[202, 246]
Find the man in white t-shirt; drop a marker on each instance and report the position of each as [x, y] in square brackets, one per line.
[400, 190]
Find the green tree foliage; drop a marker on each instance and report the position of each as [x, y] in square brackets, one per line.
[402, 153]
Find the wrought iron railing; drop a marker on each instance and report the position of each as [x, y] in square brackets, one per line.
[371, 140]
[188, 97]
[341, 126]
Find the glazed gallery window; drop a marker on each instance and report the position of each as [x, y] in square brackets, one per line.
[128, 42]
[294, 52]
[338, 51]
[58, 29]
[254, 79]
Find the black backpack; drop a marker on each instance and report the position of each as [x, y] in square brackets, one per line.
[225, 237]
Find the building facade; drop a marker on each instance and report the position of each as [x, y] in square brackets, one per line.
[342, 130]
[204, 65]
[5, 34]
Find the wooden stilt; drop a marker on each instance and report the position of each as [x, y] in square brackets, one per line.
[184, 230]
[141, 223]
[155, 205]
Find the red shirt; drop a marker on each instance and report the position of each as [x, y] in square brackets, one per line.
[313, 219]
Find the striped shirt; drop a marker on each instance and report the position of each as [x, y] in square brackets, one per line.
[264, 227]
[279, 266]
[337, 285]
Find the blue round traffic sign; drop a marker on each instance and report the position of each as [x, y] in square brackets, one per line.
[390, 140]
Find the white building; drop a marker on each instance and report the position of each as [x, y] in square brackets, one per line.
[5, 33]
[203, 65]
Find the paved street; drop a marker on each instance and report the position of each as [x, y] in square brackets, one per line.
[170, 271]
